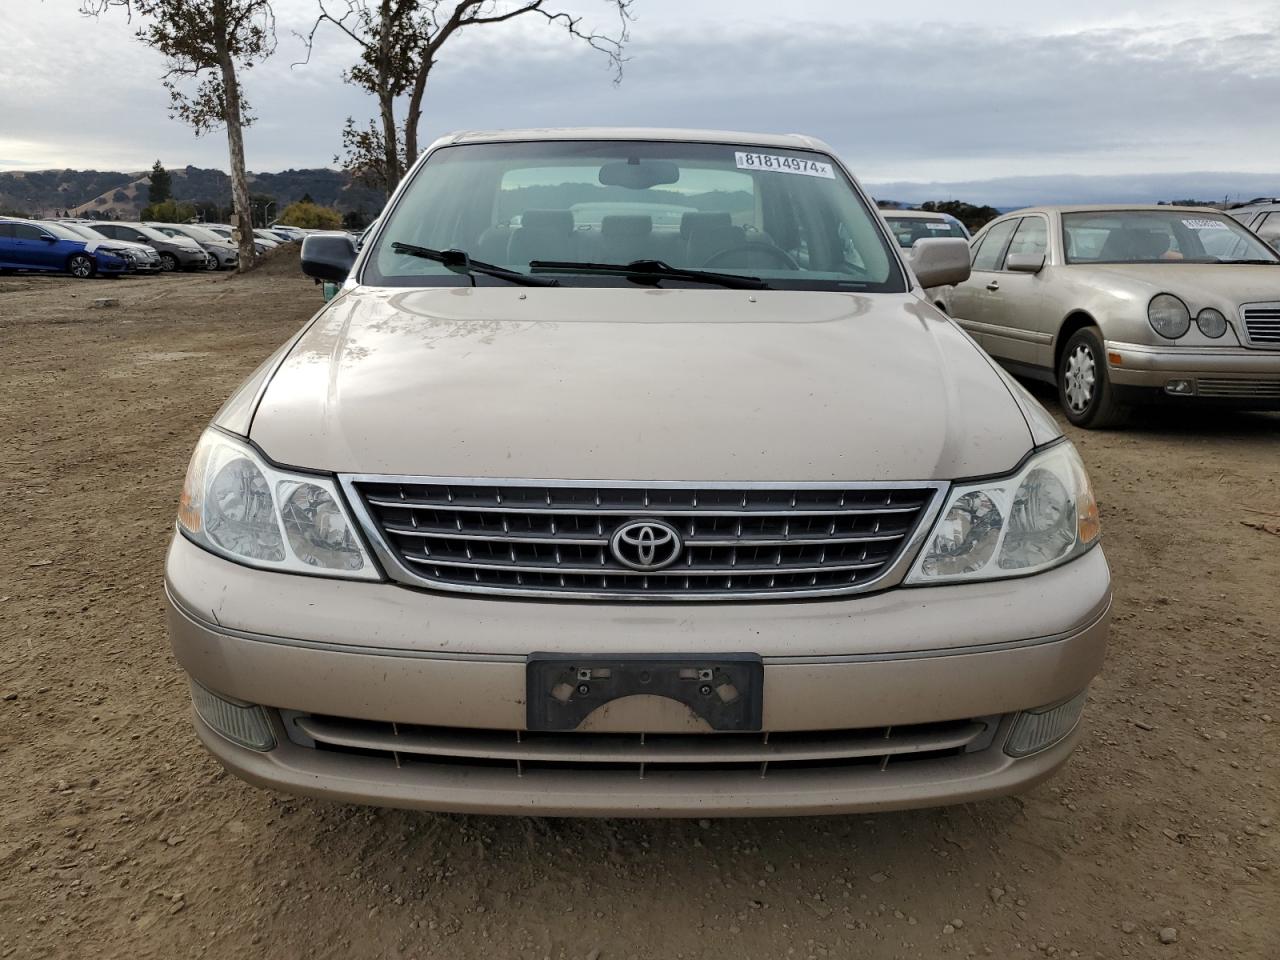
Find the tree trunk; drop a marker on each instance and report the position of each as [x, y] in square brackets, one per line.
[414, 114]
[235, 142]
[390, 141]
[386, 97]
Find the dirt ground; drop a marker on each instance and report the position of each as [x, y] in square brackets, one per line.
[120, 837]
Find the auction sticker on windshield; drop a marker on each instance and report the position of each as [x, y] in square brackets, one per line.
[1205, 224]
[780, 164]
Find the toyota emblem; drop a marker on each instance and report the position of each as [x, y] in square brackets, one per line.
[646, 544]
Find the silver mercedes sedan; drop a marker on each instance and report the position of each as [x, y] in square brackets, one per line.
[1127, 305]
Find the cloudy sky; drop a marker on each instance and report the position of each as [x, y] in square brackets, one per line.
[929, 91]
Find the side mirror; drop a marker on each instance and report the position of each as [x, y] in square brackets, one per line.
[941, 261]
[328, 256]
[48, 238]
[1024, 262]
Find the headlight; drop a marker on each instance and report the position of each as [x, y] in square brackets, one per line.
[1040, 517]
[1211, 322]
[1169, 316]
[237, 505]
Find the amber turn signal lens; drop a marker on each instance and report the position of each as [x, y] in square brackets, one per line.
[191, 502]
[1087, 517]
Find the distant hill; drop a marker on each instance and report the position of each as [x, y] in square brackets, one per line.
[110, 193]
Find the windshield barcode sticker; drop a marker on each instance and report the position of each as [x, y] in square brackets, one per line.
[938, 226]
[1205, 224]
[780, 164]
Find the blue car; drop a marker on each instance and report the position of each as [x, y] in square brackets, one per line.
[25, 245]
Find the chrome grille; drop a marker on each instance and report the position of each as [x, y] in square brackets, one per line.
[1262, 324]
[1238, 387]
[739, 542]
[523, 752]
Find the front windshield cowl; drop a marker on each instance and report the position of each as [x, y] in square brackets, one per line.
[778, 218]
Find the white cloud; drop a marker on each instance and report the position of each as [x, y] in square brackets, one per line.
[926, 91]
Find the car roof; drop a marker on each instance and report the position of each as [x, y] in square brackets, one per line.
[918, 214]
[789, 141]
[1106, 208]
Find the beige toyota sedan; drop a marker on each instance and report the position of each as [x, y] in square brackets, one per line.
[1124, 306]
[631, 473]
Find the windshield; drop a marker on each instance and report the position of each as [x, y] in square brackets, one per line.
[789, 217]
[1158, 236]
[194, 233]
[907, 230]
[62, 231]
[82, 232]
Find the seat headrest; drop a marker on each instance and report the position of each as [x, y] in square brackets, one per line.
[547, 221]
[629, 225]
[701, 221]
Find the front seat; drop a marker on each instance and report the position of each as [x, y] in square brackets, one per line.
[626, 238]
[706, 234]
[543, 235]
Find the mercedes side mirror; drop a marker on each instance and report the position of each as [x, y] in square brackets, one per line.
[940, 262]
[328, 256]
[1024, 262]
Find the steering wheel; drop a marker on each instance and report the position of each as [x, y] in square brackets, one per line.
[750, 247]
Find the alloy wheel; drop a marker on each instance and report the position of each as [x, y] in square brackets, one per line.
[81, 267]
[168, 262]
[1080, 378]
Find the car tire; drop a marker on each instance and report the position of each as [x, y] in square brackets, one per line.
[168, 263]
[1085, 390]
[81, 266]
[212, 265]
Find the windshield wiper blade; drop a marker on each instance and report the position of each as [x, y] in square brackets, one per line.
[641, 271]
[1267, 262]
[459, 261]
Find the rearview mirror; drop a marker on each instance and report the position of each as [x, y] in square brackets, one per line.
[1024, 262]
[941, 261]
[328, 256]
[636, 174]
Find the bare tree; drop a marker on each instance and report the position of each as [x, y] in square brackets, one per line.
[210, 42]
[400, 43]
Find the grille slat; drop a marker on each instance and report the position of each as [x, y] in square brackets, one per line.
[751, 542]
[1262, 325]
[730, 571]
[594, 751]
[639, 512]
[1238, 387]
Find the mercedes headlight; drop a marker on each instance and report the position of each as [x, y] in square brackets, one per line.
[1037, 518]
[1168, 316]
[1211, 323]
[236, 504]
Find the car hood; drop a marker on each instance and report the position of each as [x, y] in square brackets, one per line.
[1199, 284]
[639, 384]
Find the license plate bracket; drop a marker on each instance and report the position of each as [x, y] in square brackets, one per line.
[725, 690]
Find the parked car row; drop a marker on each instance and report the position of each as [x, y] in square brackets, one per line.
[87, 248]
[52, 248]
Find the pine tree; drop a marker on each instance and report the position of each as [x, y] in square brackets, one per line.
[161, 188]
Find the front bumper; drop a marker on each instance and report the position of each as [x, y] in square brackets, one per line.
[1238, 375]
[383, 653]
[191, 259]
[225, 258]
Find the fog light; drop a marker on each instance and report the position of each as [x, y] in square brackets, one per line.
[1036, 730]
[1181, 388]
[242, 723]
